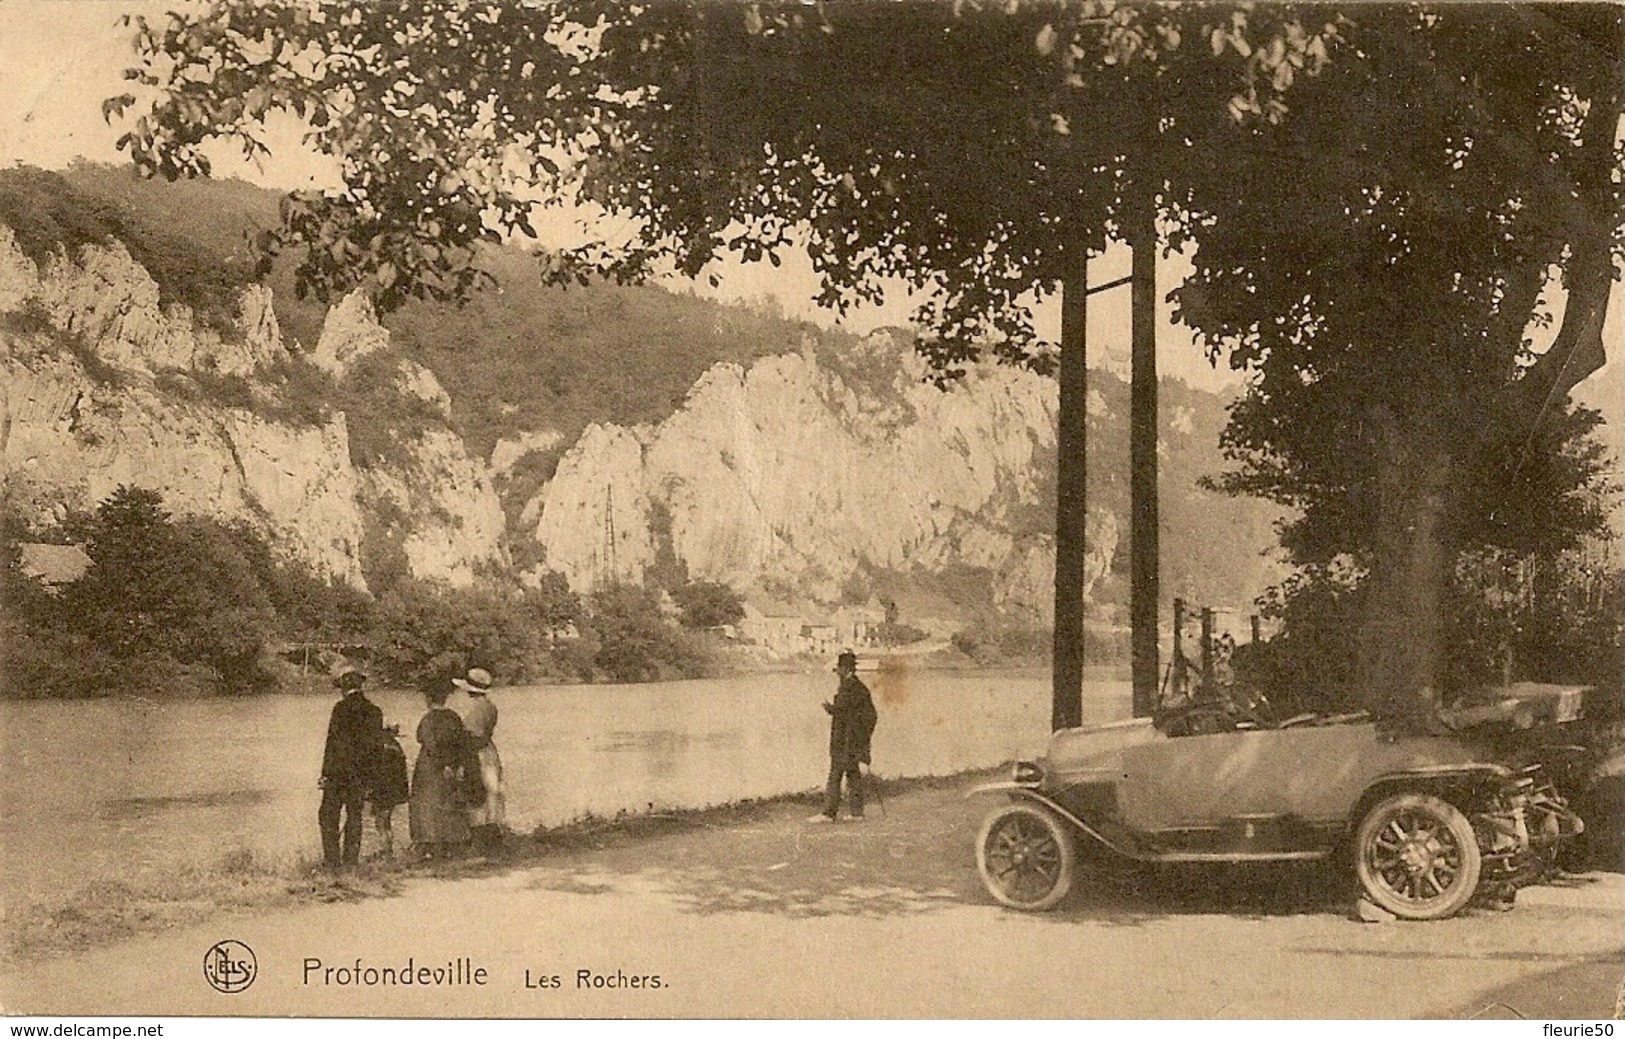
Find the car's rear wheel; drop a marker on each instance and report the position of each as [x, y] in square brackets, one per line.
[1025, 856]
[1416, 857]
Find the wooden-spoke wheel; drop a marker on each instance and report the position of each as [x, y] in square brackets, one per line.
[1416, 856]
[1025, 856]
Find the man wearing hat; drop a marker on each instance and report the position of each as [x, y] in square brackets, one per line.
[354, 734]
[851, 724]
[484, 820]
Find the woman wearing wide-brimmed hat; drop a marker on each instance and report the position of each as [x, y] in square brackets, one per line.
[485, 819]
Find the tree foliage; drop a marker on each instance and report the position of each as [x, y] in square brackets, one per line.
[424, 631]
[1376, 195]
[1385, 302]
[964, 148]
[167, 606]
[1387, 305]
[634, 643]
[708, 604]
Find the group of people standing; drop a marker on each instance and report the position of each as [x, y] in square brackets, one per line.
[455, 793]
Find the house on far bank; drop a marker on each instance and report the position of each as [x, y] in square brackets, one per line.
[52, 565]
[784, 631]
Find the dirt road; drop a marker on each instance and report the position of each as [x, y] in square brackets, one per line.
[758, 913]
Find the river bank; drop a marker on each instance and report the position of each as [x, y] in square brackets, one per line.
[242, 882]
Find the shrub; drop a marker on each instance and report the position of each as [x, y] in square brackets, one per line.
[425, 630]
[169, 607]
[635, 644]
[707, 604]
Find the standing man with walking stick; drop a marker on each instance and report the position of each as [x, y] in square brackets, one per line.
[851, 724]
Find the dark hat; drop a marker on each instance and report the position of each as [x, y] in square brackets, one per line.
[847, 659]
[350, 681]
[478, 681]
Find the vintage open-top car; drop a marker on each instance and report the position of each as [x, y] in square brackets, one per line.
[1426, 820]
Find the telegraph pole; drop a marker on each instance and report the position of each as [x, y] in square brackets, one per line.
[1071, 511]
[1143, 547]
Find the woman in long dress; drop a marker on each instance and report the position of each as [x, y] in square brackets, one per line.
[438, 818]
[486, 819]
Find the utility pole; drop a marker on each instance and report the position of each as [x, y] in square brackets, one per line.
[1071, 501]
[1143, 547]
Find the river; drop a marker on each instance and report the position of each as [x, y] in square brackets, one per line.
[110, 789]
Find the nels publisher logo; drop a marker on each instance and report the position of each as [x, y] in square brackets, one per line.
[229, 966]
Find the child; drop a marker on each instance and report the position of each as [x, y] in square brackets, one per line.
[389, 787]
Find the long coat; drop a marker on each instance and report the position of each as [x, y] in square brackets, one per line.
[436, 813]
[851, 723]
[354, 732]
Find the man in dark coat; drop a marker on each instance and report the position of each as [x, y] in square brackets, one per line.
[355, 734]
[851, 724]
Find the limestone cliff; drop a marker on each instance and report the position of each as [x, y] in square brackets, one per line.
[105, 385]
[803, 474]
[790, 475]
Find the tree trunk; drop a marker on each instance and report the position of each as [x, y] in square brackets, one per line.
[1401, 641]
[1071, 479]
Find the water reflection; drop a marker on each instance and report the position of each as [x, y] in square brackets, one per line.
[136, 807]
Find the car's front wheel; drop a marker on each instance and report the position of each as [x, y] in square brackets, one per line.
[1025, 856]
[1416, 856]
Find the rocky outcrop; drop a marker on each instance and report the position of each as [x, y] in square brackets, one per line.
[437, 501]
[106, 386]
[800, 476]
[350, 333]
[75, 440]
[111, 302]
[788, 474]
[451, 518]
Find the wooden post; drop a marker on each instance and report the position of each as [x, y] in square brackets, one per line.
[1179, 646]
[1255, 627]
[1207, 650]
[1143, 549]
[1071, 512]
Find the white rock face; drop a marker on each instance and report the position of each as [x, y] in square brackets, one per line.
[785, 473]
[455, 520]
[350, 333]
[110, 301]
[69, 440]
[74, 441]
[598, 521]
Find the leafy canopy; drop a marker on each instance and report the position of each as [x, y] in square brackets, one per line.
[1386, 300]
[966, 149]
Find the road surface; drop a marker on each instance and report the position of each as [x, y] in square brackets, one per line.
[768, 915]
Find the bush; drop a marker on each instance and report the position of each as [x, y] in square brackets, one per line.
[424, 630]
[708, 604]
[1552, 620]
[1311, 664]
[169, 607]
[635, 644]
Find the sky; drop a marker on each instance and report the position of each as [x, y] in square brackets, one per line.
[60, 58]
